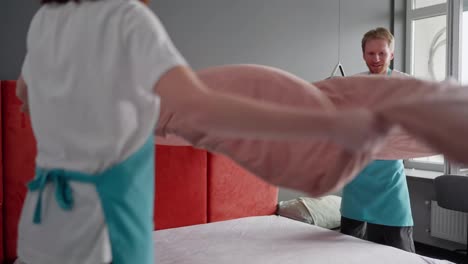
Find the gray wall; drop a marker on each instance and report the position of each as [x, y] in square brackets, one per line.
[15, 16]
[300, 36]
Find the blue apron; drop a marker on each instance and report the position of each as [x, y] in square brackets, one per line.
[126, 191]
[379, 195]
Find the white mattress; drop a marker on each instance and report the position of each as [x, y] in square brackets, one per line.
[272, 240]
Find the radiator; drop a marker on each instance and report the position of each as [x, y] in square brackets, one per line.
[448, 224]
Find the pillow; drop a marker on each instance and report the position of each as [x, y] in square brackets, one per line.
[323, 211]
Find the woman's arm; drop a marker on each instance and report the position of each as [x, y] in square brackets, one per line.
[22, 94]
[183, 93]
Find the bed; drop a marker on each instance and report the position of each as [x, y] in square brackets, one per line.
[273, 240]
[207, 209]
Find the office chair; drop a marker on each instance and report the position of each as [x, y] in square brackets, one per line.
[452, 193]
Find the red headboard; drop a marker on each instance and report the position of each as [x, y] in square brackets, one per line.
[2, 257]
[180, 187]
[19, 150]
[235, 193]
[192, 186]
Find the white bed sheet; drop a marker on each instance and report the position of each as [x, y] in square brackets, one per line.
[272, 240]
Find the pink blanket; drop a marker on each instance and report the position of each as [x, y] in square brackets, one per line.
[433, 118]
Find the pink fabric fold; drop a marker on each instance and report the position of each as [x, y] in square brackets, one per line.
[432, 116]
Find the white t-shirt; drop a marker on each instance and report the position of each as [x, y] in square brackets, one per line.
[90, 70]
[393, 73]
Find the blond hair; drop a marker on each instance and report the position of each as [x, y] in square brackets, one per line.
[378, 33]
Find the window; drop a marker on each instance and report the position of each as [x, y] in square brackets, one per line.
[457, 169]
[424, 3]
[429, 48]
[427, 58]
[464, 77]
[434, 52]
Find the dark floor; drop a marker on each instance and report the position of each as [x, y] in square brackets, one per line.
[438, 253]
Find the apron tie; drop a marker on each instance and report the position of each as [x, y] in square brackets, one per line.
[63, 190]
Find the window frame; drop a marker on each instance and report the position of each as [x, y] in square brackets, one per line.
[411, 16]
[453, 9]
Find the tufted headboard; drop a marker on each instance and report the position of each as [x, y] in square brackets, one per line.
[192, 185]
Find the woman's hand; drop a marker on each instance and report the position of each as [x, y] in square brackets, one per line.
[22, 94]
